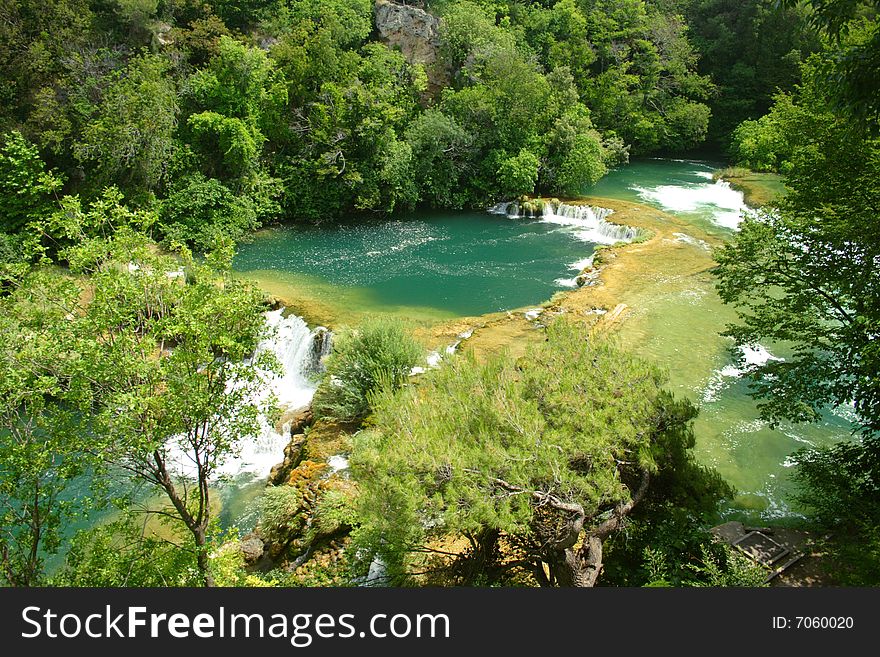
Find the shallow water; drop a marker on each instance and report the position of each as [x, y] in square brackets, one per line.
[679, 328]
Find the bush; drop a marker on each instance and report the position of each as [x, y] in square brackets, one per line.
[379, 354]
[280, 507]
[201, 209]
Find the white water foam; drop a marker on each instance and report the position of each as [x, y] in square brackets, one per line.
[752, 357]
[566, 282]
[684, 238]
[727, 203]
[337, 463]
[582, 264]
[588, 223]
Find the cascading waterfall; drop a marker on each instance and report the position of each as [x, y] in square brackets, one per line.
[299, 351]
[588, 221]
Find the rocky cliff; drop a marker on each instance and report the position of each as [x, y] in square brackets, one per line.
[416, 33]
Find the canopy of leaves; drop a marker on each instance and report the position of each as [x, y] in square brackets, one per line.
[473, 446]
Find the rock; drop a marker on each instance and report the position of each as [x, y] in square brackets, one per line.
[162, 36]
[300, 420]
[252, 548]
[322, 339]
[417, 34]
[273, 303]
[294, 453]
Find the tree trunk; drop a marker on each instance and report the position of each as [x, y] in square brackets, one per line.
[198, 524]
[202, 557]
[579, 568]
[582, 567]
[483, 555]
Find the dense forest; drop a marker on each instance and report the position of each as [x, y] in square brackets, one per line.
[218, 117]
[141, 140]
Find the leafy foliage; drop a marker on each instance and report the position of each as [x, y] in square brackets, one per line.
[264, 110]
[473, 449]
[377, 355]
[804, 273]
[121, 554]
[44, 442]
[26, 187]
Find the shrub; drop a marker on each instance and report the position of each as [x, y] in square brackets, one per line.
[378, 354]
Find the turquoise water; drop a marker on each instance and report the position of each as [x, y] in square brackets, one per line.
[684, 188]
[464, 263]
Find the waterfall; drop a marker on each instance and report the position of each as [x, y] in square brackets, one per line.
[299, 351]
[589, 222]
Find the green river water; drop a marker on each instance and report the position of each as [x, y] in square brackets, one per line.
[439, 265]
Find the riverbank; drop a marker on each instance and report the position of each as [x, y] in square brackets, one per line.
[758, 188]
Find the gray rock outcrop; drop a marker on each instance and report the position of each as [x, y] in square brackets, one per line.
[416, 33]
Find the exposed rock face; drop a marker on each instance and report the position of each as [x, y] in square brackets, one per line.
[294, 452]
[161, 35]
[416, 33]
[322, 339]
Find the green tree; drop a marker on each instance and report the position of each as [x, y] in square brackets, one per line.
[519, 174]
[550, 453]
[805, 274]
[26, 186]
[852, 73]
[124, 553]
[577, 156]
[443, 157]
[752, 49]
[200, 210]
[130, 139]
[237, 103]
[44, 441]
[174, 388]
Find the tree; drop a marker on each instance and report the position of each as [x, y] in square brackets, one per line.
[518, 174]
[852, 72]
[549, 453]
[442, 152]
[44, 442]
[175, 389]
[200, 210]
[237, 103]
[26, 186]
[130, 139]
[805, 273]
[577, 156]
[752, 49]
[124, 553]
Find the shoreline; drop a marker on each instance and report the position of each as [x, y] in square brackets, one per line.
[620, 272]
